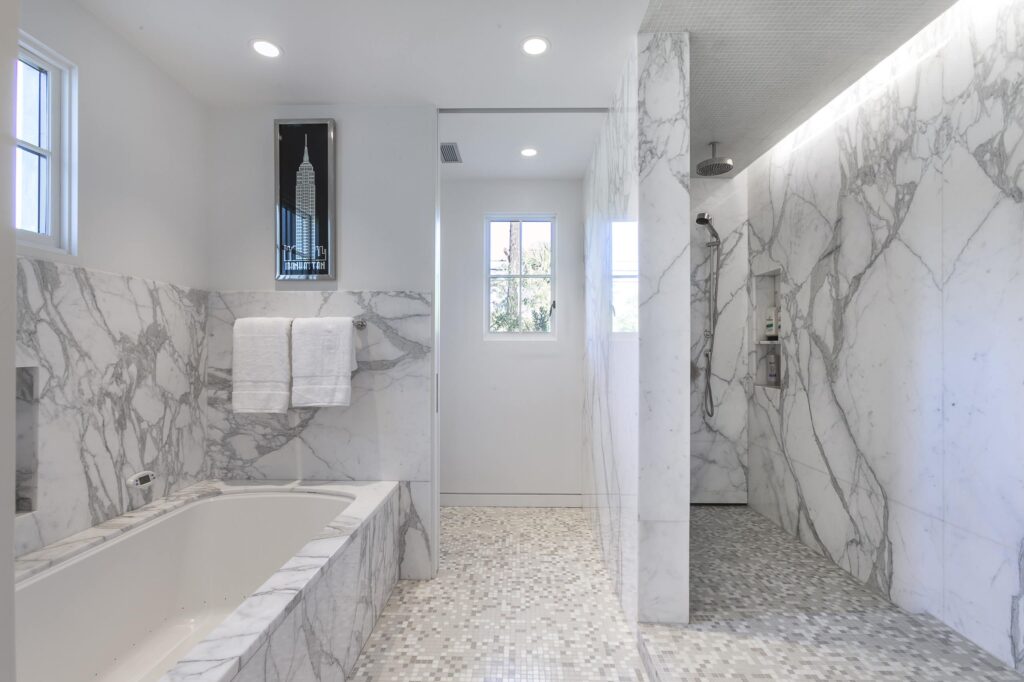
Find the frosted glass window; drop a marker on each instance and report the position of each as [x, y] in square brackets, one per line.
[521, 276]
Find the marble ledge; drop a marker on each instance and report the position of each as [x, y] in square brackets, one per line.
[372, 493]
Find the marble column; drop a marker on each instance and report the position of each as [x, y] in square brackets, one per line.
[664, 355]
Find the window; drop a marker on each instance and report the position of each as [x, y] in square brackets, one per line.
[625, 278]
[44, 192]
[521, 276]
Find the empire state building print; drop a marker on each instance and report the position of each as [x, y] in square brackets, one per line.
[305, 199]
[305, 208]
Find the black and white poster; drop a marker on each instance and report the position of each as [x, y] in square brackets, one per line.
[304, 166]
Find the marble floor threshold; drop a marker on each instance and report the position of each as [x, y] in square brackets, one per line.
[522, 596]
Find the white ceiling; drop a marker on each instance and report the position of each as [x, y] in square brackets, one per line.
[761, 67]
[490, 144]
[449, 53]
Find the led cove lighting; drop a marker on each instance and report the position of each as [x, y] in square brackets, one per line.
[529, 152]
[265, 48]
[535, 46]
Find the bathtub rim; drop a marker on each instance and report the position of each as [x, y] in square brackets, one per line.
[45, 558]
[239, 636]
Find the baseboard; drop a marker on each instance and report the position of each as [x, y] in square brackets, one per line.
[510, 500]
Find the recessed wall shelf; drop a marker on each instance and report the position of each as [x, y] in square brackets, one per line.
[767, 313]
[26, 411]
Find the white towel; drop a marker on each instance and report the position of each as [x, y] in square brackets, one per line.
[261, 369]
[323, 359]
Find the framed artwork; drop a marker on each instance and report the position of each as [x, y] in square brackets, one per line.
[304, 198]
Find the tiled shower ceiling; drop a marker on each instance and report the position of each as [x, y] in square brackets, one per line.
[761, 67]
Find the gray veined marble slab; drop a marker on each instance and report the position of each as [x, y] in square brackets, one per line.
[896, 218]
[121, 384]
[664, 255]
[384, 434]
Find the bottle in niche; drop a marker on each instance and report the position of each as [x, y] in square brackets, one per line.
[772, 361]
[771, 326]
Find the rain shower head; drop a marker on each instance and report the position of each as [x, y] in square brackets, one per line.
[716, 165]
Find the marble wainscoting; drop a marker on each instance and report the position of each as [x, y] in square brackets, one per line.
[385, 434]
[610, 360]
[664, 255]
[120, 388]
[718, 444]
[896, 219]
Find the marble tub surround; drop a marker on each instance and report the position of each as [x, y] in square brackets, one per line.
[125, 382]
[384, 434]
[718, 444]
[309, 620]
[895, 217]
[120, 388]
[610, 359]
[664, 411]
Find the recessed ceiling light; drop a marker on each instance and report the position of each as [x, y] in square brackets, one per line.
[529, 152]
[535, 46]
[266, 48]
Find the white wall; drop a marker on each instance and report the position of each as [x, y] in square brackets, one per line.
[141, 152]
[8, 46]
[511, 430]
[386, 170]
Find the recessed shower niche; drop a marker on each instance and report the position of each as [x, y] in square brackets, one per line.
[26, 415]
[766, 330]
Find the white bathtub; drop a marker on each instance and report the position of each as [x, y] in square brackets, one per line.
[133, 605]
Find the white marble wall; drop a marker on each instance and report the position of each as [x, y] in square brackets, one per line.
[718, 444]
[636, 405]
[121, 388]
[896, 216]
[663, 133]
[383, 435]
[125, 384]
[610, 361]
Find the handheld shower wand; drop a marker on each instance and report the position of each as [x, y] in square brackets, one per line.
[715, 244]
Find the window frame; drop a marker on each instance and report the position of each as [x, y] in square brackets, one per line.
[552, 219]
[62, 99]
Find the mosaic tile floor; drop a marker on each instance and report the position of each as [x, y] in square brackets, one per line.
[521, 596]
[764, 607]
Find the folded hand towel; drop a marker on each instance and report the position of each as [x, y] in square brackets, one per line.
[261, 370]
[323, 359]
